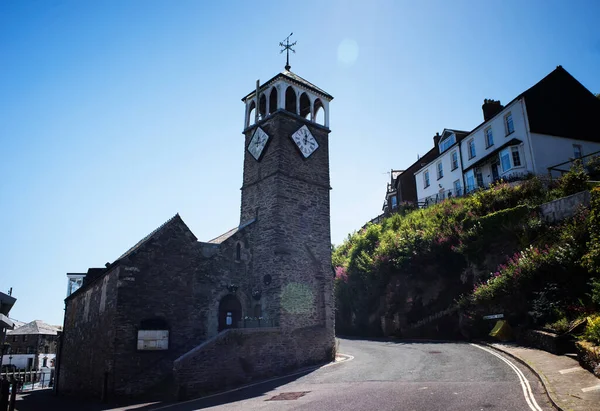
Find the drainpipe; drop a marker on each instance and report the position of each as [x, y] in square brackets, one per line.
[462, 173]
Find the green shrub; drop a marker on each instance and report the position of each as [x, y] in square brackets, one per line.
[560, 327]
[592, 330]
[574, 181]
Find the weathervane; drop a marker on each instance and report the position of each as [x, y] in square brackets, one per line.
[287, 47]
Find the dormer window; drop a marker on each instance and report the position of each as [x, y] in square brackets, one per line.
[447, 142]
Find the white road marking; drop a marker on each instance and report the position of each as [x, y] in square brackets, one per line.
[570, 370]
[529, 398]
[594, 388]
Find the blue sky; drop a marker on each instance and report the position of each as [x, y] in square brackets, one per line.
[115, 115]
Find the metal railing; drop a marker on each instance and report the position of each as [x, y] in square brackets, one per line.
[570, 162]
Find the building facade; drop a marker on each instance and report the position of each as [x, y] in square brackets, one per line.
[32, 346]
[178, 316]
[554, 121]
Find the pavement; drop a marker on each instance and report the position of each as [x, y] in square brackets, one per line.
[569, 385]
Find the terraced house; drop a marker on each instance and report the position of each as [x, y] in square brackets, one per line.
[553, 122]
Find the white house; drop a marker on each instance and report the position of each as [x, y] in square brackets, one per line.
[553, 122]
[442, 177]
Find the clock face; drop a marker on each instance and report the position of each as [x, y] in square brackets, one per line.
[258, 143]
[305, 141]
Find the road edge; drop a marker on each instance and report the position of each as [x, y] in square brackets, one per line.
[537, 373]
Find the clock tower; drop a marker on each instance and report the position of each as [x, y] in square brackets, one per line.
[285, 194]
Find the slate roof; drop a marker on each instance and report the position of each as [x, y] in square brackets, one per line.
[148, 237]
[220, 239]
[293, 78]
[34, 327]
[559, 105]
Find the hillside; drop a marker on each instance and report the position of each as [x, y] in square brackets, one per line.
[463, 258]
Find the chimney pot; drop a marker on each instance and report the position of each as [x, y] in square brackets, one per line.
[490, 108]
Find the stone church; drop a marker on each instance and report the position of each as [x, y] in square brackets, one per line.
[176, 316]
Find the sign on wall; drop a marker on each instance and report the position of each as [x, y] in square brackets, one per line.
[153, 340]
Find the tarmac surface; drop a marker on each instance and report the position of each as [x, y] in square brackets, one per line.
[376, 374]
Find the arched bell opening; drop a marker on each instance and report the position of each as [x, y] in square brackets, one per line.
[319, 111]
[273, 100]
[305, 106]
[262, 107]
[290, 99]
[251, 114]
[230, 312]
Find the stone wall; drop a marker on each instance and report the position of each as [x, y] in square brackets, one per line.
[88, 338]
[244, 355]
[565, 207]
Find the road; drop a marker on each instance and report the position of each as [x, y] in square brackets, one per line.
[385, 375]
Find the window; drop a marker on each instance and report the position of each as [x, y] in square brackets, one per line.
[506, 156]
[30, 350]
[440, 170]
[577, 151]
[24, 337]
[426, 178]
[454, 160]
[457, 192]
[446, 143]
[508, 122]
[470, 181]
[515, 156]
[394, 202]
[489, 138]
[505, 160]
[15, 338]
[479, 177]
[45, 363]
[471, 145]
[46, 350]
[238, 252]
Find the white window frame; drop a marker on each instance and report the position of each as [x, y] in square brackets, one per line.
[426, 181]
[510, 127]
[446, 143]
[471, 148]
[509, 152]
[489, 137]
[440, 170]
[513, 150]
[457, 188]
[454, 160]
[470, 178]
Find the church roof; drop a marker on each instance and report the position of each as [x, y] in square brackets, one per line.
[293, 78]
[220, 239]
[35, 327]
[148, 237]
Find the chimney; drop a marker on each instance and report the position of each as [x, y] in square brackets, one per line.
[436, 139]
[491, 108]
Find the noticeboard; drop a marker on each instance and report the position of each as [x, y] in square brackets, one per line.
[153, 340]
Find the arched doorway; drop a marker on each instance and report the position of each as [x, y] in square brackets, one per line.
[230, 312]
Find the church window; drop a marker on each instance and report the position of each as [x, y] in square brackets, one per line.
[251, 113]
[273, 100]
[262, 106]
[238, 252]
[319, 111]
[229, 319]
[304, 106]
[290, 99]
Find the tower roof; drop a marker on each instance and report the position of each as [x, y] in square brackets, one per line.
[292, 78]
